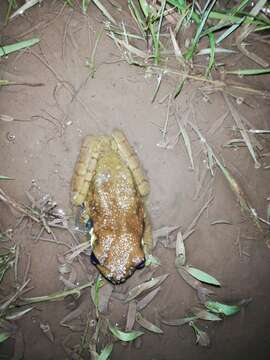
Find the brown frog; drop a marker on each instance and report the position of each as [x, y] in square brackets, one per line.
[109, 182]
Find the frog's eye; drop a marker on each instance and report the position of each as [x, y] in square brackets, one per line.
[93, 259]
[89, 225]
[141, 264]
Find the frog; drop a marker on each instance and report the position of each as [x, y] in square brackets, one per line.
[110, 185]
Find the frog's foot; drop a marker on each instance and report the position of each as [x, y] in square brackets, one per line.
[147, 234]
[128, 154]
[85, 169]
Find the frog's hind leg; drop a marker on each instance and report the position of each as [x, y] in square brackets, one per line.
[147, 234]
[85, 169]
[128, 154]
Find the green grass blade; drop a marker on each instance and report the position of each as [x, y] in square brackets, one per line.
[4, 336]
[91, 63]
[218, 15]
[176, 48]
[243, 131]
[229, 31]
[239, 7]
[137, 17]
[3, 177]
[258, 7]
[202, 338]
[161, 15]
[147, 324]
[262, 28]
[58, 295]
[248, 72]
[85, 5]
[157, 87]
[126, 336]
[187, 144]
[145, 7]
[227, 19]
[130, 48]
[219, 308]
[202, 276]
[17, 314]
[7, 49]
[5, 82]
[212, 54]
[152, 261]
[179, 322]
[106, 352]
[203, 314]
[179, 88]
[104, 11]
[218, 50]
[189, 54]
[70, 3]
[27, 5]
[182, 6]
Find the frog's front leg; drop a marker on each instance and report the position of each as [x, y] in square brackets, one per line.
[130, 157]
[85, 169]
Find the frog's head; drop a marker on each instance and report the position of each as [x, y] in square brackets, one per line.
[117, 260]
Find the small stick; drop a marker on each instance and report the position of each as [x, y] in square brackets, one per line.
[60, 80]
[238, 244]
[6, 304]
[16, 263]
[27, 267]
[44, 223]
[66, 228]
[65, 35]
[164, 130]
[39, 234]
[242, 130]
[33, 84]
[55, 242]
[6, 199]
[47, 24]
[195, 220]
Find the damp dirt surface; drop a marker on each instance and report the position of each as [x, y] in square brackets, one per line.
[41, 146]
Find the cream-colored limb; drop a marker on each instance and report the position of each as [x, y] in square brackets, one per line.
[147, 234]
[85, 169]
[128, 154]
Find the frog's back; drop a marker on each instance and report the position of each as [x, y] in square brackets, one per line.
[114, 186]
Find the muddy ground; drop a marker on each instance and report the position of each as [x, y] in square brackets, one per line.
[42, 146]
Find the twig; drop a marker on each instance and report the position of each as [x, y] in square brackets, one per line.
[65, 35]
[6, 304]
[27, 268]
[32, 84]
[195, 220]
[56, 242]
[6, 199]
[16, 263]
[164, 143]
[242, 130]
[65, 83]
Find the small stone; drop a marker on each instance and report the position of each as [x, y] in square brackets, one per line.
[11, 137]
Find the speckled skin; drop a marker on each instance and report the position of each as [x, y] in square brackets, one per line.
[109, 182]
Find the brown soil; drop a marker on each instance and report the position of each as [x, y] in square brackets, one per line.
[45, 149]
